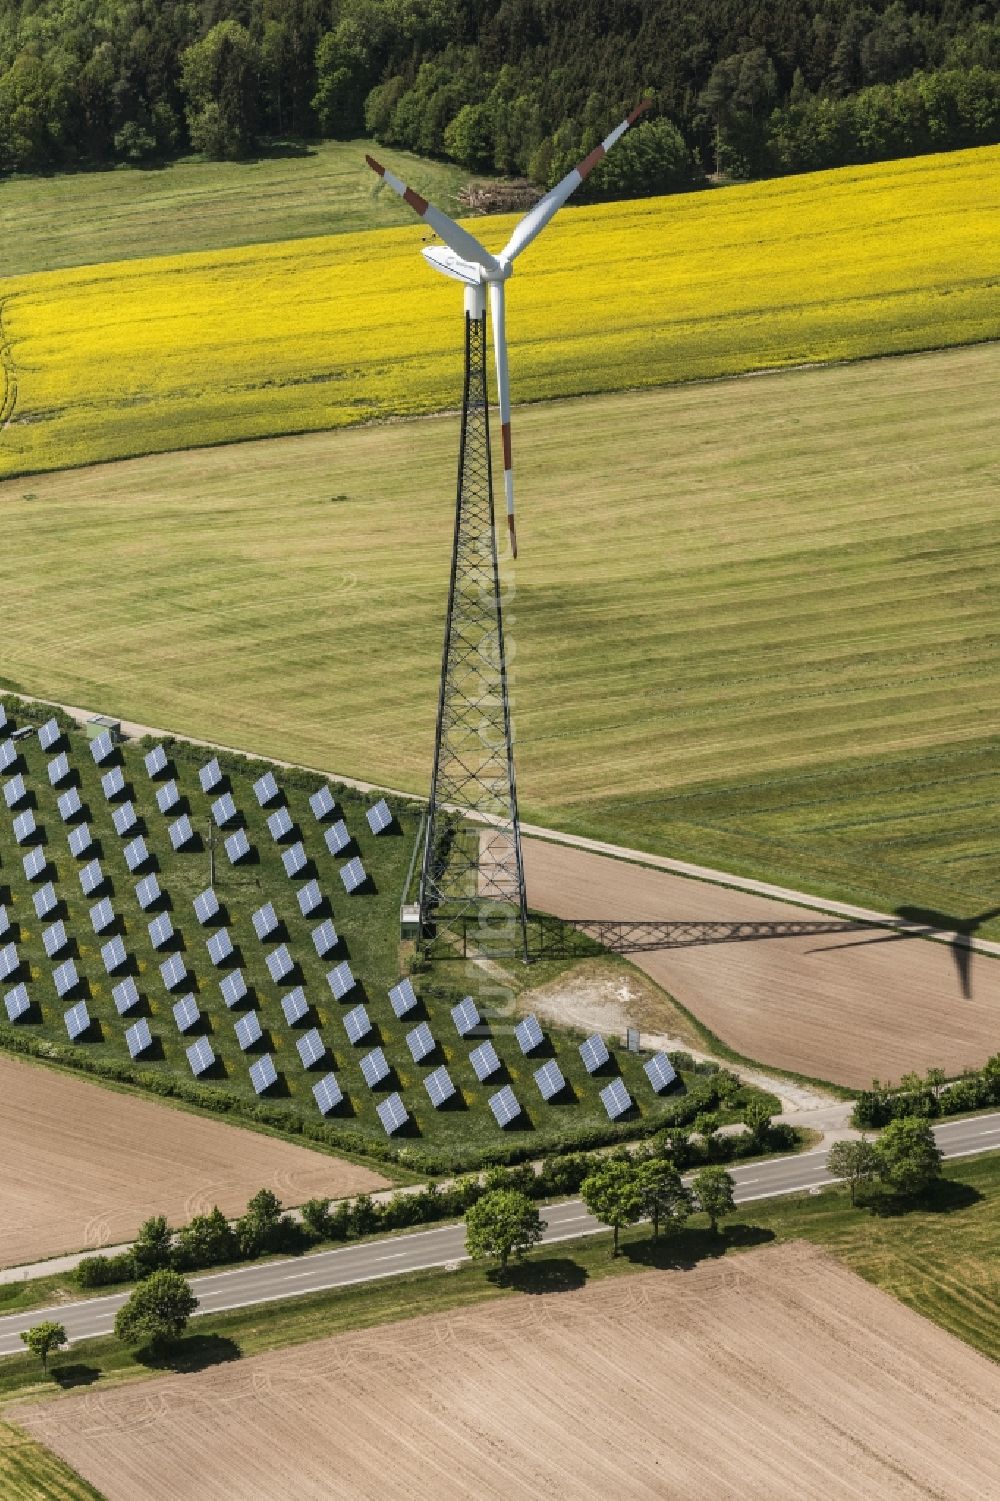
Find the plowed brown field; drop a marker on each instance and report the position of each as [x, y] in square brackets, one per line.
[849, 1006]
[83, 1166]
[776, 1375]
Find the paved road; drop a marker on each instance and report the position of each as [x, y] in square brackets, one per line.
[270, 1281]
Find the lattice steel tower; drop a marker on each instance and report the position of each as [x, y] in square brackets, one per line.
[473, 869]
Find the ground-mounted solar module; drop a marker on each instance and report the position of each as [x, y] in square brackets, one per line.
[594, 1053]
[124, 819]
[17, 1003]
[4, 721]
[311, 1048]
[310, 898]
[529, 1034]
[79, 840]
[248, 1030]
[504, 1105]
[341, 980]
[337, 838]
[181, 831]
[200, 1056]
[420, 1042]
[659, 1071]
[34, 865]
[5, 923]
[45, 900]
[206, 905]
[353, 875]
[102, 747]
[8, 755]
[439, 1087]
[466, 1017]
[147, 892]
[295, 860]
[161, 931]
[25, 826]
[15, 791]
[219, 946]
[379, 817]
[280, 824]
[265, 921]
[186, 1013]
[55, 939]
[173, 972]
[113, 783]
[237, 846]
[233, 988]
[113, 954]
[402, 997]
[280, 964]
[102, 915]
[392, 1113]
[325, 938]
[70, 804]
[327, 1093]
[155, 761]
[357, 1024]
[125, 996]
[322, 803]
[374, 1067]
[77, 1020]
[224, 810]
[136, 854]
[59, 769]
[65, 978]
[210, 775]
[266, 789]
[550, 1080]
[294, 1006]
[263, 1074]
[167, 797]
[49, 734]
[616, 1099]
[91, 877]
[10, 961]
[138, 1038]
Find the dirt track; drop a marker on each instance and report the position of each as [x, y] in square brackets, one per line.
[83, 1166]
[775, 1375]
[848, 1006]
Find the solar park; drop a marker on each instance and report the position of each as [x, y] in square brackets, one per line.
[280, 980]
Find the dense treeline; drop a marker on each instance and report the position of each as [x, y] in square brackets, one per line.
[519, 86]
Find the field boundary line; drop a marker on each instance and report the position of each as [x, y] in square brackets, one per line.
[8, 395]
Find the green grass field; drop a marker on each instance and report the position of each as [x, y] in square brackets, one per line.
[752, 622]
[30, 1472]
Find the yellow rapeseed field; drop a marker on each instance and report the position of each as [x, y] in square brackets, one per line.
[148, 355]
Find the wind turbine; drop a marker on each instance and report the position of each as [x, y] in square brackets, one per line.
[475, 875]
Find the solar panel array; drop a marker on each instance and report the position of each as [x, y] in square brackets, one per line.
[124, 819]
[125, 996]
[357, 1024]
[324, 938]
[70, 805]
[210, 775]
[233, 988]
[327, 1094]
[58, 769]
[295, 860]
[17, 1003]
[77, 1020]
[402, 998]
[181, 832]
[147, 892]
[266, 789]
[138, 1038]
[529, 1034]
[79, 841]
[248, 1030]
[186, 1013]
[55, 939]
[294, 1006]
[224, 810]
[15, 791]
[504, 1106]
[237, 847]
[280, 824]
[353, 875]
[337, 838]
[311, 1048]
[392, 1113]
[485, 1061]
[113, 783]
[102, 748]
[379, 818]
[465, 1016]
[263, 1074]
[420, 1042]
[280, 964]
[550, 1080]
[200, 1056]
[219, 946]
[374, 1068]
[206, 906]
[265, 921]
[341, 980]
[660, 1071]
[156, 761]
[439, 1087]
[616, 1099]
[310, 898]
[167, 797]
[594, 1053]
[49, 734]
[322, 803]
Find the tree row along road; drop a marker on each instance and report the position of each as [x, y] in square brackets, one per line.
[270, 1281]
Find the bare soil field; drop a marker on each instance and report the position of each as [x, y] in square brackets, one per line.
[778, 1374]
[83, 1166]
[847, 1005]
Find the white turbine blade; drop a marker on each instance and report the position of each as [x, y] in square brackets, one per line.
[466, 246]
[536, 219]
[503, 394]
[449, 264]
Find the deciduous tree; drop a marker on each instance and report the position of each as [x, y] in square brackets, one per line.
[502, 1224]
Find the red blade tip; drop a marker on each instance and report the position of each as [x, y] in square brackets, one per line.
[640, 109]
[375, 166]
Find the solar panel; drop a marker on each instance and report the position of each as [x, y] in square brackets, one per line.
[181, 832]
[17, 1003]
[3, 717]
[439, 1086]
[504, 1106]
[4, 921]
[325, 938]
[616, 1099]
[237, 846]
[280, 964]
[15, 791]
[79, 841]
[173, 972]
[295, 860]
[233, 988]
[101, 747]
[594, 1053]
[147, 892]
[156, 761]
[280, 824]
[294, 1005]
[420, 1042]
[65, 978]
[24, 826]
[102, 916]
[263, 1074]
[327, 1094]
[136, 854]
[266, 789]
[8, 755]
[35, 865]
[69, 804]
[113, 954]
[379, 818]
[54, 939]
[59, 769]
[10, 961]
[138, 1038]
[113, 783]
[248, 1030]
[210, 775]
[550, 1080]
[310, 898]
[265, 921]
[206, 905]
[219, 946]
[311, 1048]
[77, 1020]
[91, 877]
[528, 1034]
[353, 875]
[49, 734]
[322, 803]
[161, 931]
[392, 1113]
[340, 980]
[125, 996]
[402, 998]
[357, 1024]
[186, 1013]
[374, 1068]
[200, 1056]
[45, 900]
[167, 797]
[224, 810]
[124, 819]
[465, 1016]
[337, 838]
[660, 1071]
